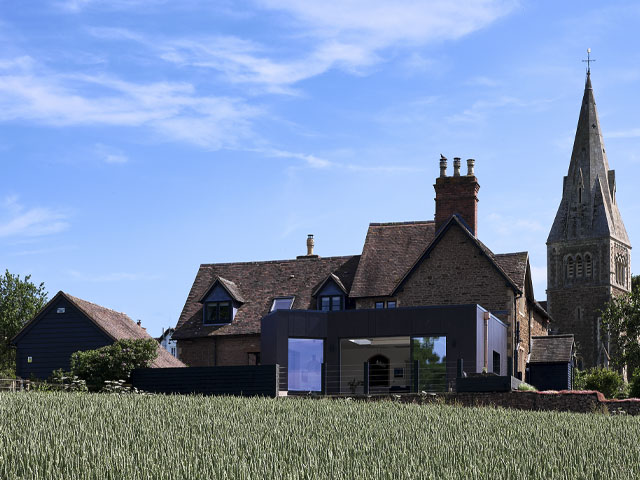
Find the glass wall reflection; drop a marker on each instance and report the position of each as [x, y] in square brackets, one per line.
[431, 355]
[305, 364]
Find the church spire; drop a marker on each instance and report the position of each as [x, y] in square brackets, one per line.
[588, 206]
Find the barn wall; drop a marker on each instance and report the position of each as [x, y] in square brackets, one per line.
[52, 339]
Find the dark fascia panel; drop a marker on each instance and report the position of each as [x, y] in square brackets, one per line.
[335, 280]
[455, 220]
[230, 287]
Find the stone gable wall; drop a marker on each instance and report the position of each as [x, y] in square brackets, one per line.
[456, 272]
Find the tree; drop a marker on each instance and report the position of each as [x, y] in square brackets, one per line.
[622, 317]
[635, 282]
[20, 301]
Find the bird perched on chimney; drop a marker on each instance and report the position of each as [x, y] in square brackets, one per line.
[442, 157]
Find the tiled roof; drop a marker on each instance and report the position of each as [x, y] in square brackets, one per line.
[390, 249]
[119, 327]
[551, 349]
[259, 283]
[514, 265]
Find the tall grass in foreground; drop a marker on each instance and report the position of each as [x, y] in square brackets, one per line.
[75, 436]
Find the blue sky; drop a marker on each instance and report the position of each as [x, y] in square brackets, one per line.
[141, 138]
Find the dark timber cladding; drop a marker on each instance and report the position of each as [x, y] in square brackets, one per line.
[460, 324]
[245, 380]
[50, 343]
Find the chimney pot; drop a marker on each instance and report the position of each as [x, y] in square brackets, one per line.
[310, 244]
[443, 166]
[456, 166]
[470, 164]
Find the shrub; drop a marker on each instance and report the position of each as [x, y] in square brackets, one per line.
[113, 362]
[634, 390]
[525, 387]
[608, 382]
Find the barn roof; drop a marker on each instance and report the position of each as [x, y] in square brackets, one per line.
[116, 325]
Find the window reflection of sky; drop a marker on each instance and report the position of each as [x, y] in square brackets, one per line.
[305, 364]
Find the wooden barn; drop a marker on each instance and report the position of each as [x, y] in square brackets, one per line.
[552, 361]
[68, 324]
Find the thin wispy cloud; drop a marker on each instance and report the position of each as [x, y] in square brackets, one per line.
[481, 108]
[16, 220]
[347, 35]
[174, 110]
[630, 133]
[110, 154]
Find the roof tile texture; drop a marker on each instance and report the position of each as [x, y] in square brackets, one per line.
[259, 283]
[120, 327]
[390, 249]
[551, 349]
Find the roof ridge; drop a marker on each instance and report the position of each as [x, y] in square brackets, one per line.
[523, 252]
[394, 224]
[288, 260]
[96, 305]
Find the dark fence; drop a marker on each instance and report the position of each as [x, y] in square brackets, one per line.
[246, 380]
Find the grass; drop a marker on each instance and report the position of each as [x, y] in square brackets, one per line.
[98, 436]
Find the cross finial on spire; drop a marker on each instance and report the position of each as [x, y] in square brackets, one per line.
[588, 61]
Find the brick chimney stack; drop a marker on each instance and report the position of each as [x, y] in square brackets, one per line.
[457, 194]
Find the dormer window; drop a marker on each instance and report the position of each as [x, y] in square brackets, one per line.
[282, 303]
[220, 302]
[216, 313]
[330, 303]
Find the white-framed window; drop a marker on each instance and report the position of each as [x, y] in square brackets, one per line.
[282, 303]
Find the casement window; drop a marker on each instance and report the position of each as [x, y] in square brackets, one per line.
[216, 313]
[331, 303]
[389, 304]
[282, 303]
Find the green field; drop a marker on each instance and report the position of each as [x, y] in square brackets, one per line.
[98, 436]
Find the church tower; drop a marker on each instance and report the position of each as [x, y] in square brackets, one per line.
[588, 250]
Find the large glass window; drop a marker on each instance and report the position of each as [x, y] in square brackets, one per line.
[218, 312]
[305, 364]
[431, 355]
[332, 302]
